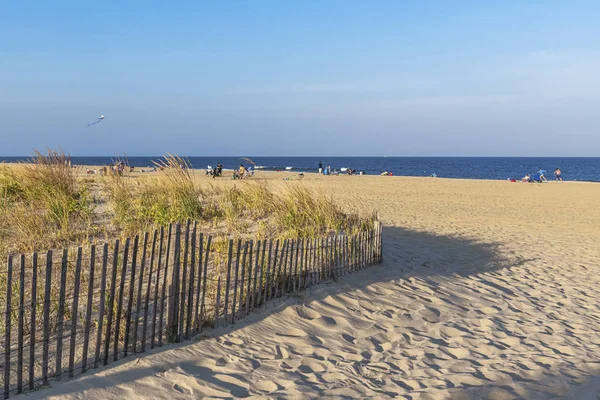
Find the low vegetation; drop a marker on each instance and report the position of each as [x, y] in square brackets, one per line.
[45, 203]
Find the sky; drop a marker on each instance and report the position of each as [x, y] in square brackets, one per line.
[294, 78]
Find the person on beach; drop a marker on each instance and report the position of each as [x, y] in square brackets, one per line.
[542, 173]
[526, 178]
[558, 174]
[242, 171]
[320, 167]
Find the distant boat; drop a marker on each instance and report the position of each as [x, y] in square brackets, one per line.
[288, 168]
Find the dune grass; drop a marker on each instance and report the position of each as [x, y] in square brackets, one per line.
[44, 204]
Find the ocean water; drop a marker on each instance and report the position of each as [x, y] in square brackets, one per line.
[496, 168]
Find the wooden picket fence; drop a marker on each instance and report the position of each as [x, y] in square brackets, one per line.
[82, 308]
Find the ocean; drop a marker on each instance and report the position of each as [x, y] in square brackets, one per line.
[495, 168]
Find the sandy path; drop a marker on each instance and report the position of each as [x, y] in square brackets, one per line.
[488, 290]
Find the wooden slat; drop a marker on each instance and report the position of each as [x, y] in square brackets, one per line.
[321, 255]
[102, 298]
[267, 291]
[88, 309]
[7, 327]
[156, 286]
[289, 253]
[196, 325]
[147, 297]
[262, 271]
[190, 295]
[111, 301]
[138, 302]
[74, 313]
[61, 314]
[278, 278]
[248, 278]
[294, 271]
[254, 284]
[235, 284]
[130, 296]
[304, 274]
[21, 321]
[228, 279]
[205, 278]
[174, 290]
[314, 265]
[46, 327]
[164, 287]
[120, 300]
[241, 280]
[182, 288]
[32, 330]
[217, 300]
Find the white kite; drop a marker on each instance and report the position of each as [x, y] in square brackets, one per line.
[98, 121]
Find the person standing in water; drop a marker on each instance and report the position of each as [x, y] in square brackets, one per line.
[558, 174]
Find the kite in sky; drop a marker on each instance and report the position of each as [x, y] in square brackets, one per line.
[98, 121]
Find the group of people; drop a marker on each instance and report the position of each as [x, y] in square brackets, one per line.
[329, 171]
[242, 172]
[540, 176]
[214, 172]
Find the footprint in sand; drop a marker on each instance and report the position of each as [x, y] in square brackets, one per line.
[281, 353]
[223, 361]
[231, 341]
[292, 332]
[333, 377]
[264, 387]
[349, 338]
[182, 390]
[329, 321]
[307, 313]
[311, 366]
[431, 315]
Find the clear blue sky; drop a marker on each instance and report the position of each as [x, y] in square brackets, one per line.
[301, 77]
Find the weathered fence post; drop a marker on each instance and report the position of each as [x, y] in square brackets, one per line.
[228, 279]
[20, 322]
[181, 286]
[74, 311]
[88, 309]
[61, 314]
[138, 302]
[120, 300]
[102, 298]
[7, 321]
[147, 299]
[205, 278]
[173, 305]
[32, 330]
[130, 297]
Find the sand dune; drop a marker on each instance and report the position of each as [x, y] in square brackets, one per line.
[487, 290]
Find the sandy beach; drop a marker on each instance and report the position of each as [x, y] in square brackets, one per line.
[488, 289]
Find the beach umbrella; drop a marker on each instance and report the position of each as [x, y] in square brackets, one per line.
[248, 160]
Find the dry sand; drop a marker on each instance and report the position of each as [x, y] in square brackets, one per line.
[488, 290]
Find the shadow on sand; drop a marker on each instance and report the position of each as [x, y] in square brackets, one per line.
[407, 254]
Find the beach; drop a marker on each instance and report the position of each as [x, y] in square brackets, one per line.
[488, 289]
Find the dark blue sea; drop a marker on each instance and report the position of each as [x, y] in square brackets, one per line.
[573, 168]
